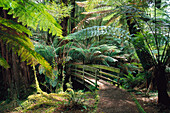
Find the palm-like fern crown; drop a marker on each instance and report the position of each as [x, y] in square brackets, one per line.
[136, 12]
[13, 34]
[32, 15]
[111, 11]
[92, 50]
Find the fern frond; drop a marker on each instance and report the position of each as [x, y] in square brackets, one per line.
[22, 45]
[4, 63]
[98, 31]
[59, 11]
[13, 25]
[32, 15]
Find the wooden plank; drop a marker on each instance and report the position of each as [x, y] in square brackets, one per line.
[108, 74]
[108, 79]
[81, 77]
[78, 75]
[112, 69]
[87, 81]
[91, 75]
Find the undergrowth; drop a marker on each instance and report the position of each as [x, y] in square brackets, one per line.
[68, 101]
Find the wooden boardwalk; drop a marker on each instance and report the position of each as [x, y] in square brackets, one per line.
[112, 99]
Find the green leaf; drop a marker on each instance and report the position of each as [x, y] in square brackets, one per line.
[4, 63]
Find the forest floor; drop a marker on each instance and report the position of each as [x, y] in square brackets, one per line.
[111, 100]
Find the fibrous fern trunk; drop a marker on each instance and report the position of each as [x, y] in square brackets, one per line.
[161, 82]
[142, 52]
[64, 21]
[15, 76]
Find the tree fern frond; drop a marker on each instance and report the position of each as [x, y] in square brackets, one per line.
[22, 45]
[46, 51]
[98, 31]
[110, 59]
[13, 25]
[4, 63]
[59, 11]
[32, 15]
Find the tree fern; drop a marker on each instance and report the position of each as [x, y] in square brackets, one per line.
[14, 34]
[91, 54]
[98, 31]
[32, 14]
[24, 47]
[113, 11]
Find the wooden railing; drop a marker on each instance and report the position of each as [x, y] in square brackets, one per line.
[88, 75]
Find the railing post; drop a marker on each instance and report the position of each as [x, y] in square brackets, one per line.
[96, 79]
[75, 72]
[83, 76]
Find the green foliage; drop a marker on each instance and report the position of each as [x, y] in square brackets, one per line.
[4, 63]
[89, 48]
[14, 25]
[110, 11]
[82, 98]
[59, 11]
[21, 43]
[32, 14]
[52, 53]
[130, 81]
[56, 101]
[95, 31]
[92, 53]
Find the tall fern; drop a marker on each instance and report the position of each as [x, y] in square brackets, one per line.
[13, 34]
[32, 14]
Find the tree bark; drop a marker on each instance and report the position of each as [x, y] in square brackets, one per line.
[161, 83]
[17, 75]
[73, 15]
[64, 22]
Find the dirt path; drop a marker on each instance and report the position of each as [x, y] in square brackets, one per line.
[115, 100]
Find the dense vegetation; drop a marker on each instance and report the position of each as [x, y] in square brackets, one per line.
[44, 43]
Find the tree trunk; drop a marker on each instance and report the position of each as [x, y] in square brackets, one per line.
[17, 76]
[142, 52]
[161, 82]
[73, 15]
[64, 21]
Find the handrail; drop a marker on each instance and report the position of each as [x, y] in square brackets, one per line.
[96, 72]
